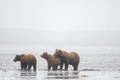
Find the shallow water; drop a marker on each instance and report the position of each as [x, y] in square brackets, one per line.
[38, 75]
[90, 68]
[59, 75]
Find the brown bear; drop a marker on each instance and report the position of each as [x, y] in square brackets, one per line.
[52, 61]
[26, 61]
[71, 58]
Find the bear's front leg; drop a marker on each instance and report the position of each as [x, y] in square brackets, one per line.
[61, 65]
[25, 66]
[22, 66]
[66, 66]
[49, 66]
[54, 68]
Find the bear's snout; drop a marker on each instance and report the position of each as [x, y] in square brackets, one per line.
[54, 54]
[41, 55]
[14, 60]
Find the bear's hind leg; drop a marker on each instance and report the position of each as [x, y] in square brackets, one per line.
[75, 67]
[54, 68]
[34, 66]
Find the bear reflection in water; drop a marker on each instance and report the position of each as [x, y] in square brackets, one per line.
[63, 75]
[28, 73]
[45, 75]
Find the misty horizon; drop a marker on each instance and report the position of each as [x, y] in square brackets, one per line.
[23, 36]
[59, 24]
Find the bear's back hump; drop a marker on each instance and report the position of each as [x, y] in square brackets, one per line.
[74, 55]
[29, 58]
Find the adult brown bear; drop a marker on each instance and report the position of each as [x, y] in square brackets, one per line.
[68, 58]
[26, 61]
[52, 61]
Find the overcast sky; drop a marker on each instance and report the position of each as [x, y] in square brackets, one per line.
[68, 22]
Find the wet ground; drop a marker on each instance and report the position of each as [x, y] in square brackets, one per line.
[58, 75]
[90, 68]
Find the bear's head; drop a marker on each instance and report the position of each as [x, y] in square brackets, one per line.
[18, 57]
[59, 53]
[44, 55]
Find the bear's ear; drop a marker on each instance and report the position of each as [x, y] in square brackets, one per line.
[60, 50]
[56, 49]
[45, 53]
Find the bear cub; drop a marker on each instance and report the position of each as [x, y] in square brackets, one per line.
[52, 61]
